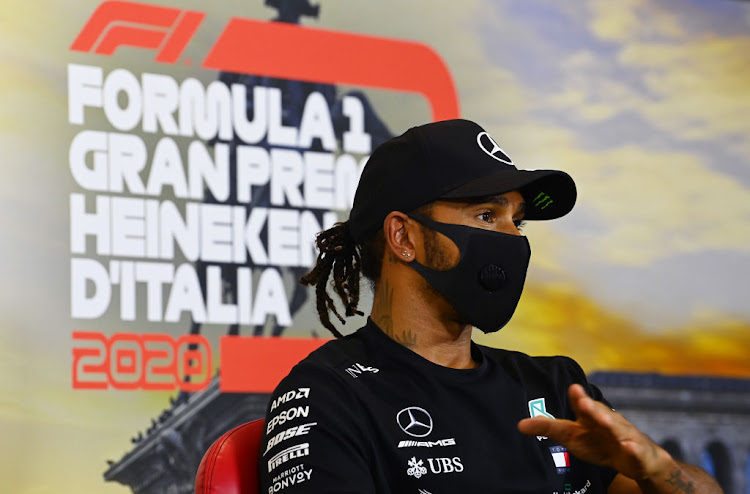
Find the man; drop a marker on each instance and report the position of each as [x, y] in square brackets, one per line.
[408, 404]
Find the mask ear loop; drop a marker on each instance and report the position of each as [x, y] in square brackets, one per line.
[453, 232]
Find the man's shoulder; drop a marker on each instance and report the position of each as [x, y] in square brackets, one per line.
[519, 362]
[335, 356]
[339, 350]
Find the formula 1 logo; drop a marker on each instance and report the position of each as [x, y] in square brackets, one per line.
[114, 24]
[329, 57]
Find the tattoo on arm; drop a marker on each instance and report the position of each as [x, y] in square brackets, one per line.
[407, 338]
[679, 484]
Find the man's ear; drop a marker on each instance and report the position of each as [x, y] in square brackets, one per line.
[400, 236]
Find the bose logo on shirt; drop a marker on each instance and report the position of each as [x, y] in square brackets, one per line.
[297, 430]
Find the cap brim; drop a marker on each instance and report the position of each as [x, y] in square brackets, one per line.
[548, 194]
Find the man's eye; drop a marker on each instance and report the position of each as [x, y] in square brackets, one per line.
[486, 217]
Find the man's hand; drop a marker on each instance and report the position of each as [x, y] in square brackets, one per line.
[604, 437]
[600, 436]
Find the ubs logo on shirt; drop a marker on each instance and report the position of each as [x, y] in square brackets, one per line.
[416, 466]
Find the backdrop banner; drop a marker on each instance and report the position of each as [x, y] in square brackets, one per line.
[168, 165]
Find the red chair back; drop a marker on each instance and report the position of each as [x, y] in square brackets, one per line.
[230, 466]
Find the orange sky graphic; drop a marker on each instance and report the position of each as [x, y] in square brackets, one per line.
[558, 320]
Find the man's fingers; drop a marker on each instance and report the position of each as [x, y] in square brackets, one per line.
[589, 412]
[557, 429]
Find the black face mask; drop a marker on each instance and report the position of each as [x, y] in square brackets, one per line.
[486, 284]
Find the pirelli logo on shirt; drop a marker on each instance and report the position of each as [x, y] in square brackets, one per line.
[290, 453]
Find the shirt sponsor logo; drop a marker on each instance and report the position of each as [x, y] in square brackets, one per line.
[569, 489]
[358, 369]
[289, 471]
[286, 415]
[537, 408]
[290, 453]
[297, 430]
[290, 396]
[293, 476]
[416, 468]
[445, 465]
[427, 444]
[415, 421]
[561, 457]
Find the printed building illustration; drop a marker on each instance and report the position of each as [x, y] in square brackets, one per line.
[703, 421]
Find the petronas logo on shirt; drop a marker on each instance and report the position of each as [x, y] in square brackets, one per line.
[537, 408]
[416, 468]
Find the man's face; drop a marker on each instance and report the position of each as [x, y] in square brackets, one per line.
[502, 213]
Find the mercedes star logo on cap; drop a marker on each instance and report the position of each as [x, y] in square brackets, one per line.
[490, 146]
[415, 421]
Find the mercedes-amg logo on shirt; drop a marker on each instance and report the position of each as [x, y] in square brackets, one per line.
[415, 421]
[491, 147]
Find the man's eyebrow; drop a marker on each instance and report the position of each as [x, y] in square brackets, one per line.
[499, 200]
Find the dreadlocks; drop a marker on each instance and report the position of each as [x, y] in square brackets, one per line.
[338, 254]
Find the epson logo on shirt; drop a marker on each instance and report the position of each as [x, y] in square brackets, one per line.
[289, 396]
[427, 444]
[286, 415]
[297, 430]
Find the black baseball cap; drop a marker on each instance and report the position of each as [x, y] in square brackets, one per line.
[450, 159]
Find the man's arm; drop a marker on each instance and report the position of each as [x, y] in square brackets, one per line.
[678, 479]
[604, 437]
[313, 440]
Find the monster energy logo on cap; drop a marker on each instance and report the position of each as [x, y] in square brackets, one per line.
[542, 200]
